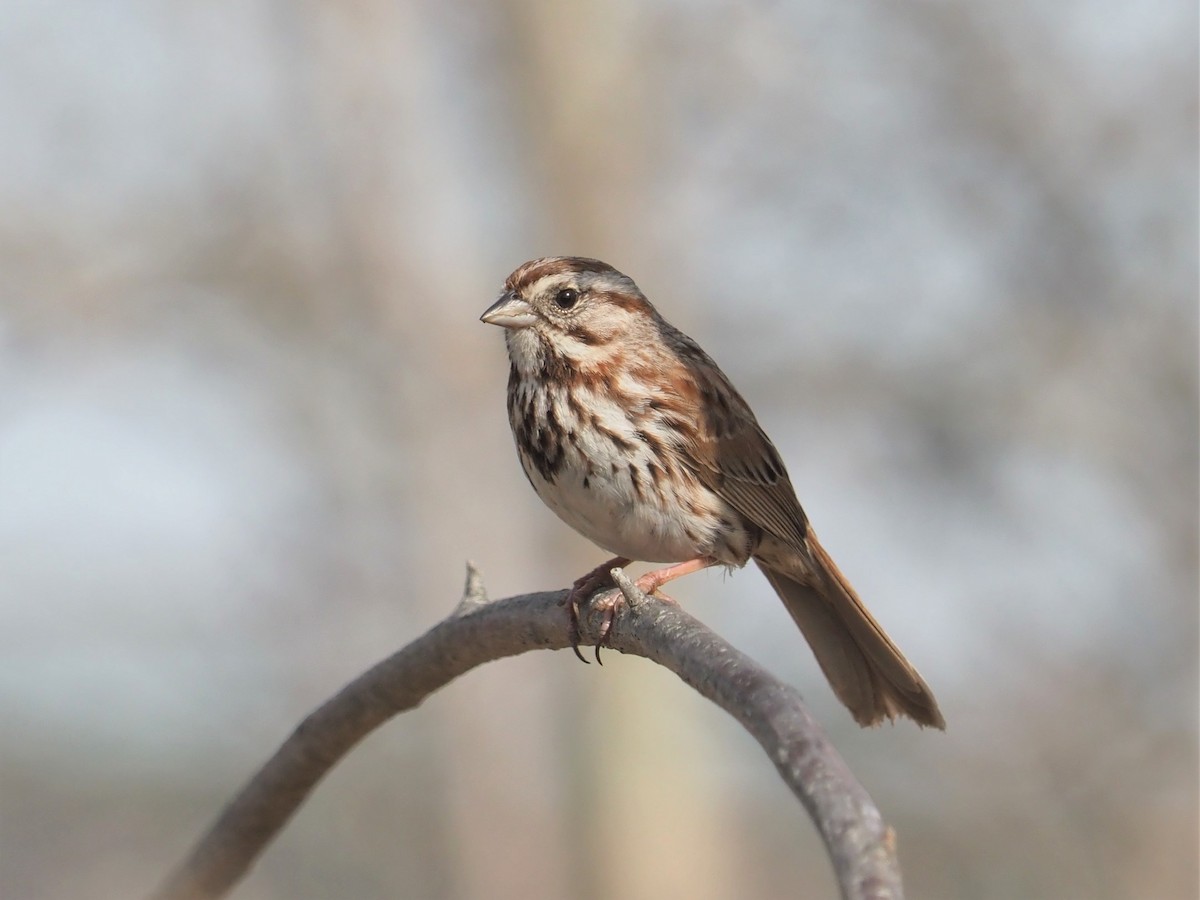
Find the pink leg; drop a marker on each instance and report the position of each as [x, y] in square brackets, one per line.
[652, 581]
[597, 578]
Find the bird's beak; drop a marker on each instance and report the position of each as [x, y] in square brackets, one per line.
[510, 311]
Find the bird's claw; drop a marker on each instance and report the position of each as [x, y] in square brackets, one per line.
[582, 592]
[607, 605]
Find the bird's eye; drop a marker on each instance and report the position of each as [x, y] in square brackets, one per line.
[566, 298]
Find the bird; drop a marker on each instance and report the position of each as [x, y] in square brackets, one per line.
[634, 437]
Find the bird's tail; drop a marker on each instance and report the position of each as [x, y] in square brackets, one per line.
[865, 669]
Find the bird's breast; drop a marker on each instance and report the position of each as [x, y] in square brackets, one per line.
[609, 469]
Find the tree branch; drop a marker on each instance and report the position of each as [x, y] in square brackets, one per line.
[861, 847]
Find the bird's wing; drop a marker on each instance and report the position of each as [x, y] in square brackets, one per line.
[732, 455]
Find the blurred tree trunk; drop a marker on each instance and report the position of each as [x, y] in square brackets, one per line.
[362, 74]
[584, 85]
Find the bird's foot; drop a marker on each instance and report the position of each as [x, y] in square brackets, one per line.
[581, 593]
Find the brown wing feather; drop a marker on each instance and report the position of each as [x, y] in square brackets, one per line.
[732, 455]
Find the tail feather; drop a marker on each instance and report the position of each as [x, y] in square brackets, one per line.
[866, 670]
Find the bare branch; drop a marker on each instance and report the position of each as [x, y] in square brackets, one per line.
[478, 631]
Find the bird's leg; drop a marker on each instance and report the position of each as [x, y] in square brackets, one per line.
[582, 589]
[648, 584]
[652, 581]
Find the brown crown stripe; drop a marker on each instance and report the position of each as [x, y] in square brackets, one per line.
[531, 272]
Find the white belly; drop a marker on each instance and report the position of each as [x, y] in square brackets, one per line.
[608, 511]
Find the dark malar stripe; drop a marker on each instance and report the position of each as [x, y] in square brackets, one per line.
[590, 338]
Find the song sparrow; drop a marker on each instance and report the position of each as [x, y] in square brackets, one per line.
[634, 437]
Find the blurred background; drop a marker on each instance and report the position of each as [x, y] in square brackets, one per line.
[251, 428]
